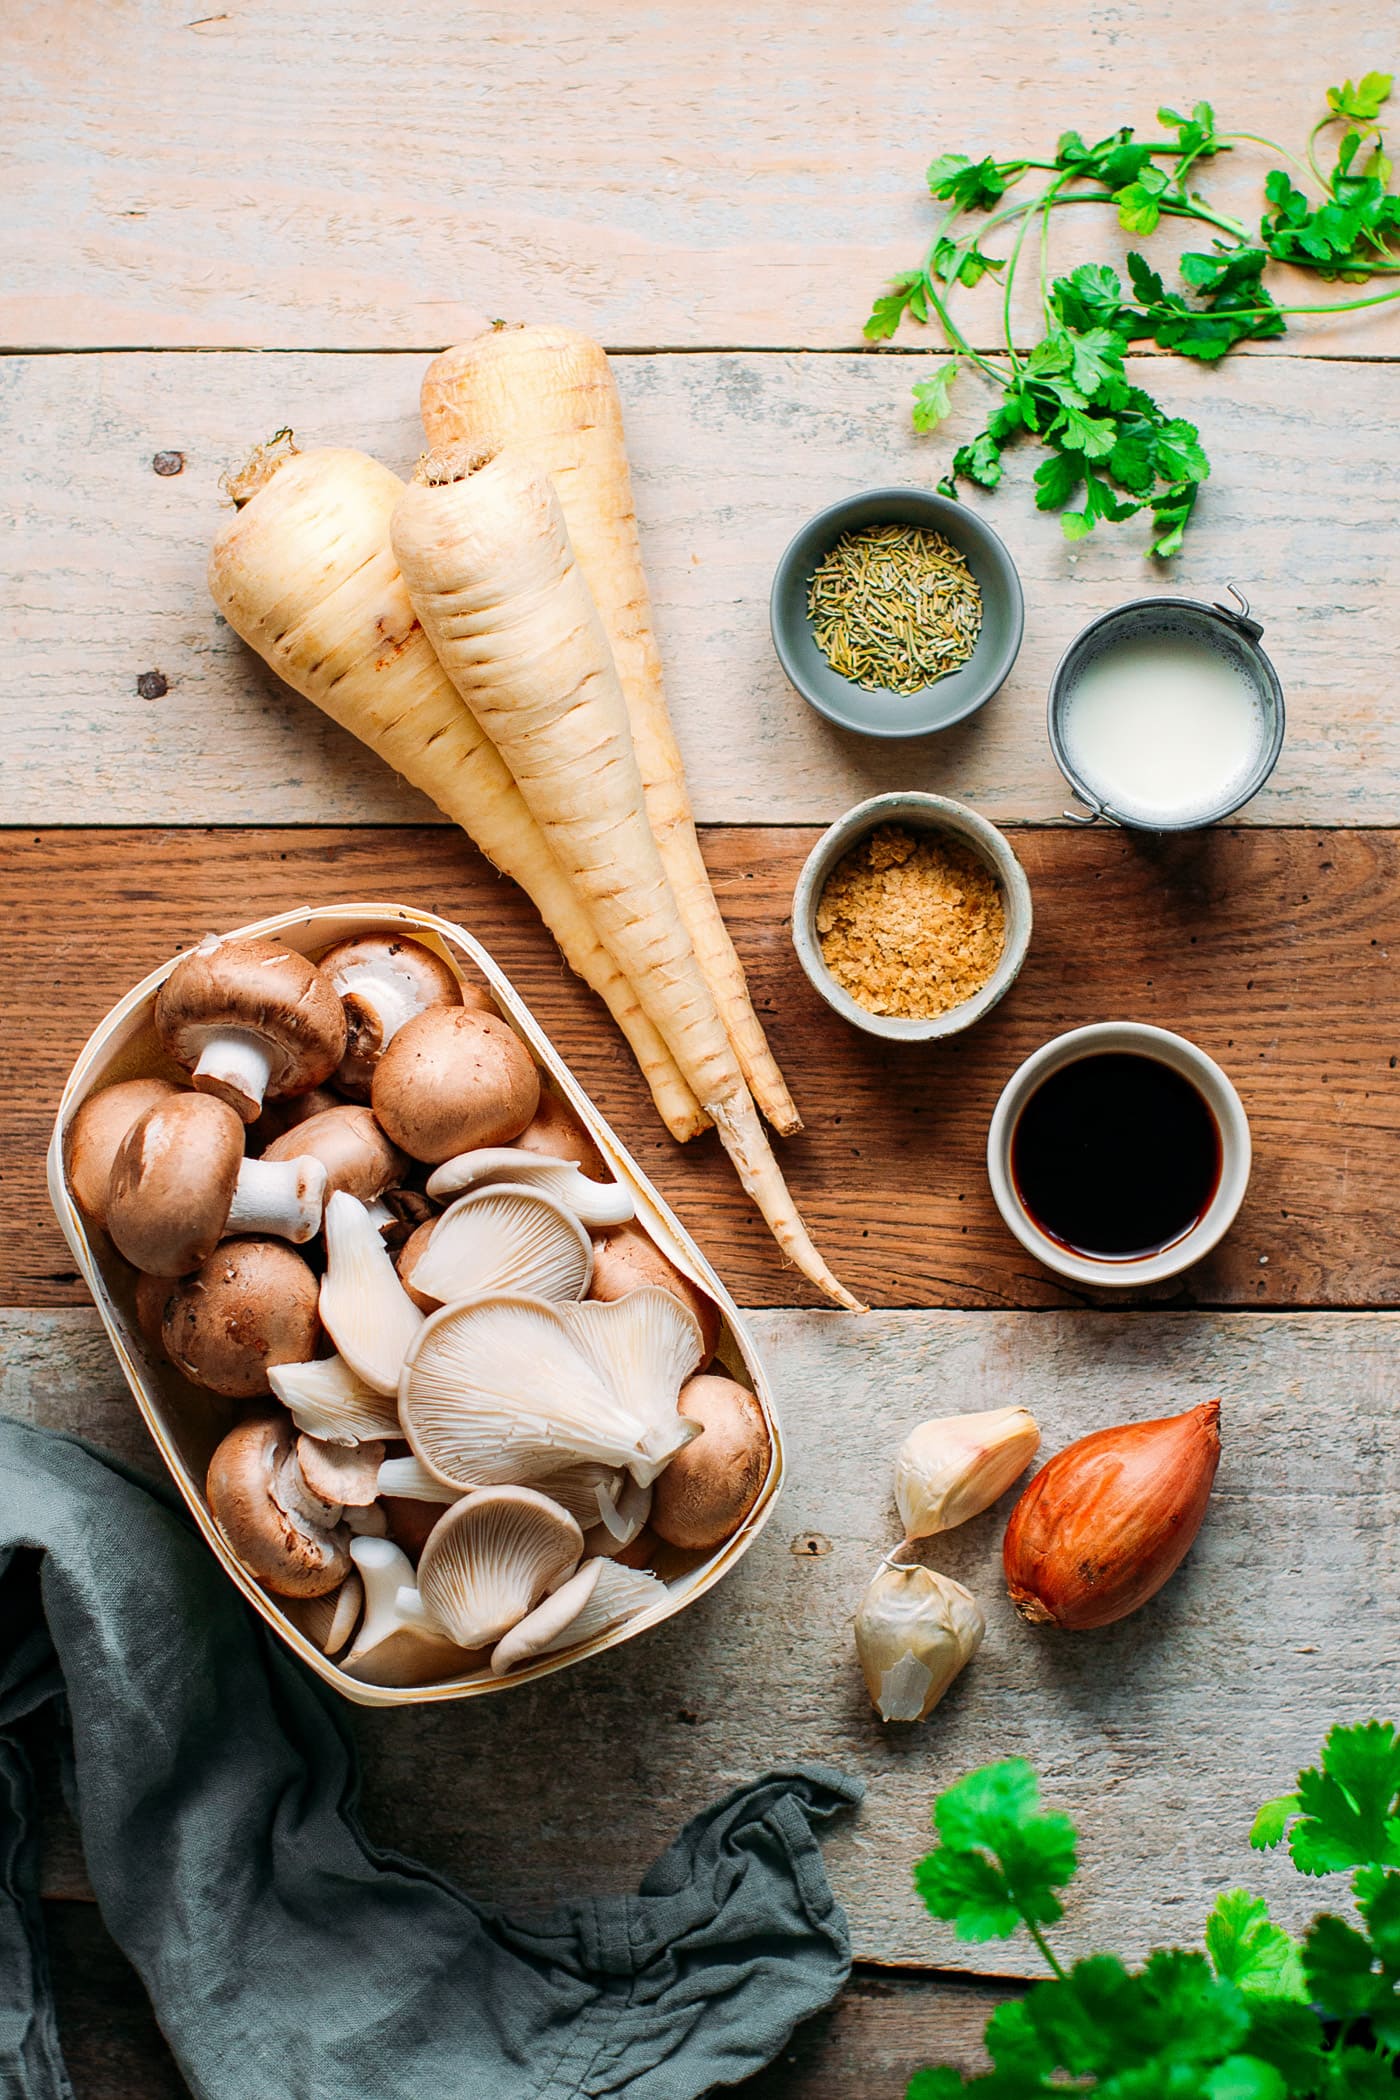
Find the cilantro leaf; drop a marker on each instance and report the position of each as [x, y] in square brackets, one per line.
[931, 401]
[1270, 1825]
[889, 309]
[1001, 1857]
[1244, 2078]
[1348, 1810]
[980, 461]
[1140, 201]
[1253, 1953]
[1362, 101]
[1057, 479]
[972, 185]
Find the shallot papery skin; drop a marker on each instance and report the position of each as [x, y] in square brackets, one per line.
[1108, 1521]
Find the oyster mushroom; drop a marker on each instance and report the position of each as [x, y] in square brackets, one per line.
[626, 1259]
[352, 1148]
[326, 1400]
[555, 1132]
[408, 1479]
[600, 1595]
[624, 1510]
[491, 1557]
[499, 1390]
[452, 1079]
[391, 1649]
[383, 980]
[95, 1136]
[288, 1539]
[506, 1239]
[249, 1019]
[328, 1621]
[707, 1492]
[179, 1184]
[593, 1203]
[250, 1306]
[646, 1345]
[365, 1309]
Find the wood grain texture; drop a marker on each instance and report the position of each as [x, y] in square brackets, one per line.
[1159, 1735]
[1277, 951]
[881, 2029]
[272, 175]
[731, 455]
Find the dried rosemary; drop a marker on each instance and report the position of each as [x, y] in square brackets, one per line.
[894, 607]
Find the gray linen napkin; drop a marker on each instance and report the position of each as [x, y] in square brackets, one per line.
[286, 1957]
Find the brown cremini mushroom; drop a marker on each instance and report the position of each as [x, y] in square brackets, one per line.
[280, 1116]
[555, 1132]
[625, 1259]
[249, 1019]
[452, 1080]
[351, 1147]
[383, 980]
[95, 1136]
[153, 1294]
[252, 1304]
[709, 1488]
[343, 1475]
[328, 1622]
[259, 1501]
[180, 1183]
[407, 1260]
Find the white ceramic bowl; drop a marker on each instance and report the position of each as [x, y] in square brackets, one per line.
[954, 820]
[1133, 1037]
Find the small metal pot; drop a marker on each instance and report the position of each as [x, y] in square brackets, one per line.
[1217, 624]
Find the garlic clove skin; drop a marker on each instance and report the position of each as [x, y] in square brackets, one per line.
[915, 1631]
[951, 1469]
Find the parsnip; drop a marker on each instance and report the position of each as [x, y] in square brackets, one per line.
[481, 542]
[548, 393]
[305, 574]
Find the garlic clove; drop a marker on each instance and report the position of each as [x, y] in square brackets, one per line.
[645, 1345]
[915, 1631]
[954, 1467]
[601, 1595]
[364, 1308]
[491, 1557]
[505, 1239]
[497, 1391]
[326, 1400]
[593, 1203]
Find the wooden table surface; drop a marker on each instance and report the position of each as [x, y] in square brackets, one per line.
[271, 214]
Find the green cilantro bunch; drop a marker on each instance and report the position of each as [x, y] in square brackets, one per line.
[1256, 2015]
[1112, 450]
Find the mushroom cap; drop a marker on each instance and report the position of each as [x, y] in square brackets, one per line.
[505, 1239]
[260, 989]
[627, 1259]
[407, 1260]
[599, 1595]
[350, 1145]
[329, 1621]
[254, 1495]
[172, 1182]
[387, 1649]
[153, 1294]
[644, 1346]
[284, 1115]
[250, 1305]
[343, 1475]
[453, 1079]
[94, 1138]
[709, 1488]
[412, 977]
[491, 1557]
[555, 1132]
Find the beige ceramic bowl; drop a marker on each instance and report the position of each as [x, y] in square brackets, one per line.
[187, 1423]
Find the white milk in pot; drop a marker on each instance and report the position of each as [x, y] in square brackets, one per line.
[1163, 728]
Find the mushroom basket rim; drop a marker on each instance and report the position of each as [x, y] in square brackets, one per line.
[160, 1393]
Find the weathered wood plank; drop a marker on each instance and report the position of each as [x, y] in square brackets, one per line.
[106, 582]
[1159, 1735]
[1277, 950]
[268, 175]
[881, 2029]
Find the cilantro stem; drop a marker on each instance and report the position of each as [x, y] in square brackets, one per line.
[1252, 138]
[1044, 1945]
[1341, 306]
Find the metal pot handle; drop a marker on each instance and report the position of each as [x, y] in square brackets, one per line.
[1240, 620]
[1096, 812]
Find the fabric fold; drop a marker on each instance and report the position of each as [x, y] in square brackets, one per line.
[286, 1957]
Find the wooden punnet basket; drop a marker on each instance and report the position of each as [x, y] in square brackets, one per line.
[187, 1423]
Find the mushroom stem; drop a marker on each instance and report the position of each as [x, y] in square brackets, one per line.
[237, 1067]
[386, 998]
[278, 1196]
[410, 1480]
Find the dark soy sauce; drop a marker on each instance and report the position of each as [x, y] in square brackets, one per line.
[1116, 1155]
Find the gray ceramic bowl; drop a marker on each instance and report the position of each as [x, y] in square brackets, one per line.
[952, 698]
[922, 813]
